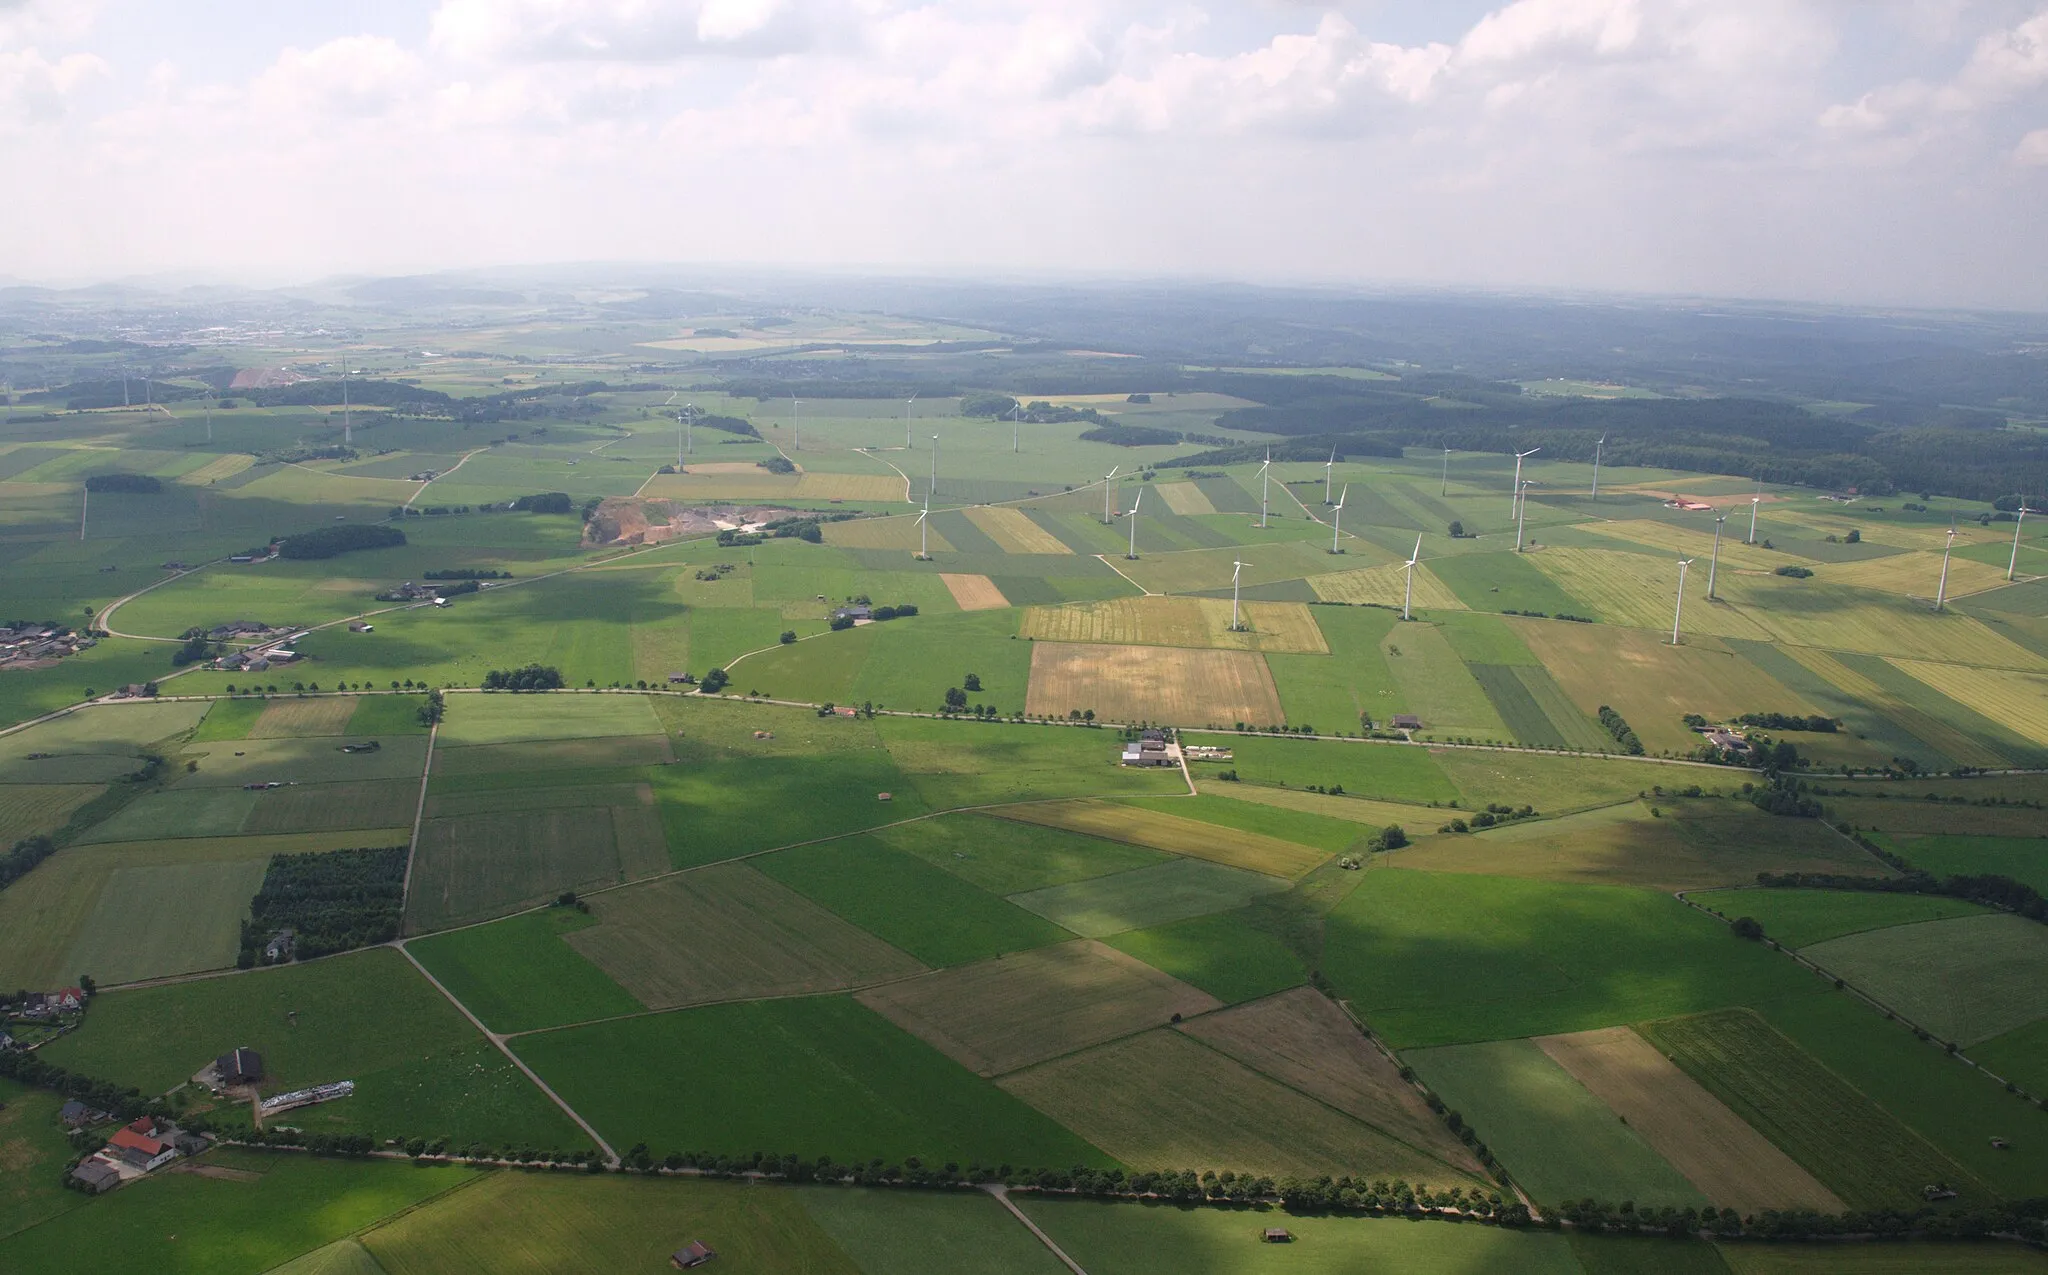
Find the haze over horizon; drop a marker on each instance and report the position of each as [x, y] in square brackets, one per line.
[1892, 153]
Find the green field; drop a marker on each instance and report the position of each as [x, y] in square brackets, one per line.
[814, 1076]
[1966, 979]
[1436, 958]
[229, 719]
[287, 1205]
[905, 901]
[504, 718]
[1797, 918]
[420, 1068]
[1004, 856]
[35, 1151]
[1223, 954]
[1329, 835]
[1836, 1133]
[153, 921]
[1131, 1239]
[557, 1222]
[1386, 771]
[1146, 897]
[2021, 858]
[517, 974]
[1559, 1141]
[928, 1233]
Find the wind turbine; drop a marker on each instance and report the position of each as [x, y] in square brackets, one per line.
[1108, 490]
[2013, 566]
[1337, 523]
[1714, 565]
[1265, 484]
[1408, 591]
[1016, 426]
[347, 434]
[1133, 554]
[908, 407]
[1447, 473]
[1596, 476]
[1236, 570]
[1328, 465]
[1521, 511]
[1754, 501]
[935, 470]
[923, 531]
[1519, 458]
[209, 438]
[1679, 610]
[796, 427]
[1941, 593]
[689, 415]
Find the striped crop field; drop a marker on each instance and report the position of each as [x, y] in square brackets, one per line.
[1185, 498]
[290, 718]
[1638, 591]
[218, 468]
[2016, 701]
[1385, 585]
[1690, 542]
[1812, 613]
[1916, 574]
[897, 531]
[1014, 531]
[1153, 684]
[1173, 834]
[974, 593]
[1178, 621]
[1953, 743]
[1197, 570]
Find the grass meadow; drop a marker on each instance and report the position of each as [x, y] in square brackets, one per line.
[1301, 827]
[1560, 1142]
[907, 902]
[1003, 856]
[1151, 826]
[814, 1076]
[517, 974]
[2021, 858]
[1798, 918]
[420, 1068]
[35, 1150]
[928, 1233]
[1219, 953]
[185, 1222]
[1966, 979]
[1146, 897]
[1386, 771]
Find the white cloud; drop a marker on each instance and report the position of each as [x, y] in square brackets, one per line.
[2033, 149]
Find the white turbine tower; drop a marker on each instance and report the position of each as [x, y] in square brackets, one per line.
[1521, 512]
[2013, 566]
[1016, 427]
[1133, 554]
[1108, 491]
[1265, 485]
[1714, 565]
[209, 438]
[930, 491]
[1754, 501]
[347, 434]
[1519, 458]
[909, 406]
[1447, 473]
[1596, 465]
[1337, 523]
[1236, 570]
[1941, 592]
[1679, 610]
[923, 531]
[1328, 465]
[796, 427]
[1408, 590]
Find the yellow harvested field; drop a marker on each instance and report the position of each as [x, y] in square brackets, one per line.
[974, 593]
[1651, 682]
[1301, 1039]
[1161, 1101]
[877, 487]
[1010, 1012]
[1386, 585]
[897, 531]
[218, 468]
[1731, 1163]
[1637, 591]
[1185, 498]
[722, 467]
[1914, 575]
[1014, 530]
[1375, 814]
[290, 718]
[728, 933]
[2016, 701]
[1171, 833]
[1153, 684]
[1956, 743]
[1179, 621]
[1692, 541]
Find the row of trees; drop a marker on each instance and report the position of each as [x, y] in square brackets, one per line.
[533, 677]
[1623, 733]
[22, 858]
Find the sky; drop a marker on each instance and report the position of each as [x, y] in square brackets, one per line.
[1852, 151]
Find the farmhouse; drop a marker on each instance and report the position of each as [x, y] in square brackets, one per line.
[138, 1146]
[77, 1115]
[1407, 721]
[1149, 752]
[1726, 740]
[98, 1176]
[692, 1255]
[242, 1066]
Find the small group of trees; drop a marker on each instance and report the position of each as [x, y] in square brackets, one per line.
[326, 542]
[1623, 733]
[714, 682]
[22, 857]
[546, 502]
[1494, 814]
[533, 677]
[467, 573]
[331, 900]
[430, 712]
[1790, 721]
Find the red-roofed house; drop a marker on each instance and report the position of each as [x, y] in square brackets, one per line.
[140, 1150]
